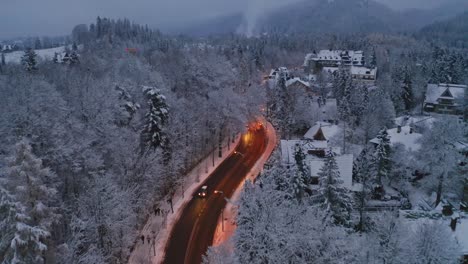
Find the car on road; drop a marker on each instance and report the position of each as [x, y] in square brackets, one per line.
[203, 192]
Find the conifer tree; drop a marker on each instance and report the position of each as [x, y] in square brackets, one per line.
[29, 60]
[25, 181]
[301, 177]
[407, 93]
[382, 157]
[336, 198]
[157, 118]
[361, 174]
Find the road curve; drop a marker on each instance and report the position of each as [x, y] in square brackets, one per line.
[193, 233]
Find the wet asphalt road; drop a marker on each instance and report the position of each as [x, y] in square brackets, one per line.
[193, 233]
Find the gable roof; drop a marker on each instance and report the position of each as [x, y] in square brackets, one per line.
[449, 91]
[296, 80]
[328, 131]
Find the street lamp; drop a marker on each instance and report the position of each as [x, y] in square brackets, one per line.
[222, 210]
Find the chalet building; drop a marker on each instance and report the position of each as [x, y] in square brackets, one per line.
[322, 131]
[332, 58]
[364, 74]
[281, 72]
[444, 98]
[299, 84]
[315, 145]
[8, 48]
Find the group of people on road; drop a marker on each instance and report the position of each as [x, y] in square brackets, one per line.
[150, 241]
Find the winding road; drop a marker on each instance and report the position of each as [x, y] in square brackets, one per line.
[193, 233]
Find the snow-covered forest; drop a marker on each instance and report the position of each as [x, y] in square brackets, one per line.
[95, 134]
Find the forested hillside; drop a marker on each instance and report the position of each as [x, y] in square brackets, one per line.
[89, 146]
[452, 32]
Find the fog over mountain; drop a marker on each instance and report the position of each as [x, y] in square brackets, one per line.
[56, 17]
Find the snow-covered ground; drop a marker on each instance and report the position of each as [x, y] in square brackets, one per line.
[42, 54]
[158, 227]
[230, 211]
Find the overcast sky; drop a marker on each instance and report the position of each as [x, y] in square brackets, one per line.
[57, 17]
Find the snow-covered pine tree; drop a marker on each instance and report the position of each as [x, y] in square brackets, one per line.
[407, 93]
[74, 59]
[24, 180]
[28, 60]
[7, 221]
[361, 174]
[283, 107]
[157, 118]
[302, 173]
[381, 159]
[336, 199]
[127, 106]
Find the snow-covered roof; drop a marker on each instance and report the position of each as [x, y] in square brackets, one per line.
[296, 80]
[362, 70]
[328, 130]
[279, 70]
[337, 55]
[407, 139]
[288, 148]
[435, 91]
[329, 111]
[345, 167]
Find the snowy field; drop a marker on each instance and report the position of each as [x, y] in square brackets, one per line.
[42, 54]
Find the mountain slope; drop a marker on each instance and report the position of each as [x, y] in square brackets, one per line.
[332, 16]
[451, 32]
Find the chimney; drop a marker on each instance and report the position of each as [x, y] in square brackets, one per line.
[399, 129]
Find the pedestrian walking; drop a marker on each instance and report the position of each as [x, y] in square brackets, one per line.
[143, 239]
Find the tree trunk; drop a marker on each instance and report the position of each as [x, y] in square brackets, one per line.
[439, 189]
